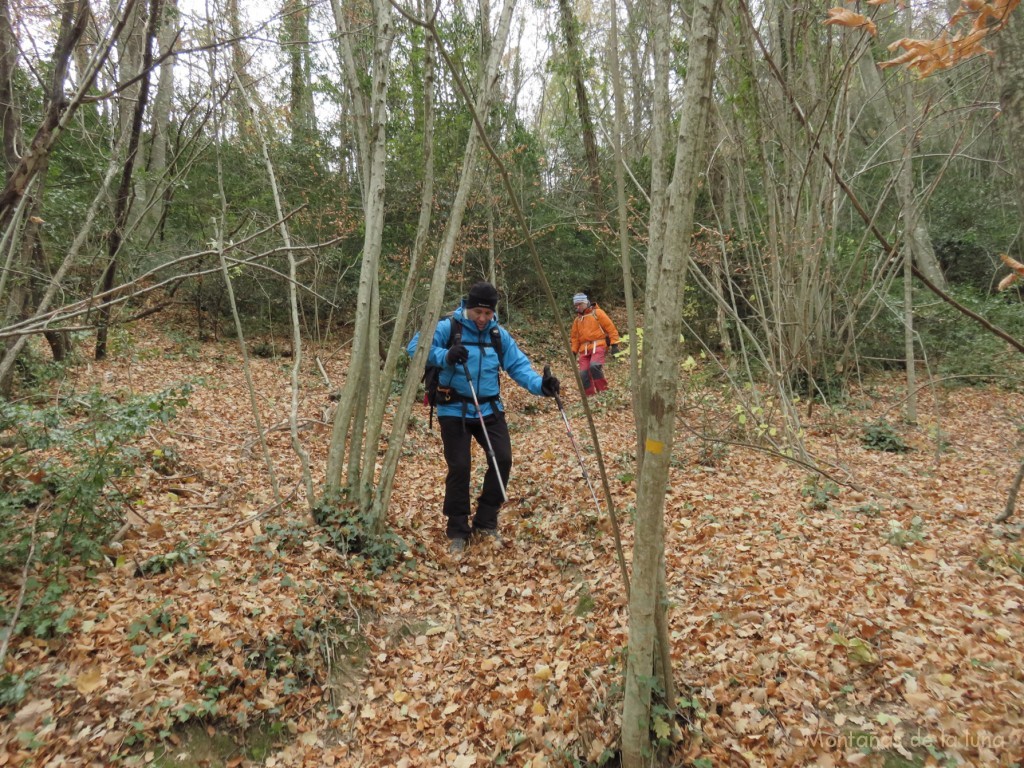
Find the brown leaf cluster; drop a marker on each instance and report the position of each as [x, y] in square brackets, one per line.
[802, 634]
[927, 56]
[1017, 272]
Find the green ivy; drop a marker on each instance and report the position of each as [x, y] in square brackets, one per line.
[880, 436]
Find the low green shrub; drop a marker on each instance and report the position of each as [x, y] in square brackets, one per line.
[61, 488]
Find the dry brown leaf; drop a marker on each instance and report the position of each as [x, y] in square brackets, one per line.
[846, 18]
[89, 680]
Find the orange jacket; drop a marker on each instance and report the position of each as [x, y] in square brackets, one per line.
[590, 329]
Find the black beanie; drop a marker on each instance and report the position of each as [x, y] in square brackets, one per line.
[482, 295]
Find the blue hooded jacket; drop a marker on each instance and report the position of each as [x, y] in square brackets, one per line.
[483, 365]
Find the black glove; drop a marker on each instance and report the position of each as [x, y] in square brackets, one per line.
[614, 349]
[549, 386]
[457, 355]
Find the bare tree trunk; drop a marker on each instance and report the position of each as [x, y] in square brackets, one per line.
[1011, 498]
[1009, 45]
[905, 185]
[152, 188]
[240, 66]
[296, 23]
[574, 53]
[916, 234]
[369, 111]
[74, 16]
[623, 215]
[637, 35]
[10, 112]
[19, 232]
[389, 466]
[370, 122]
[660, 383]
[123, 198]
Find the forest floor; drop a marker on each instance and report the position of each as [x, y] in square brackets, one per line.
[871, 617]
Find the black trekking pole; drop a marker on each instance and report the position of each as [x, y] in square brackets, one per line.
[487, 437]
[579, 456]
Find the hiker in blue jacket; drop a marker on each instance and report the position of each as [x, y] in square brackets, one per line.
[477, 352]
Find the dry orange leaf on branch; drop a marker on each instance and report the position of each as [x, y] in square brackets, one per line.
[843, 17]
[1014, 276]
[930, 55]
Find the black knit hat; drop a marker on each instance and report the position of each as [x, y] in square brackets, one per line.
[482, 295]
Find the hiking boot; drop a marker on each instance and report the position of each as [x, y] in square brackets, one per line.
[456, 546]
[491, 534]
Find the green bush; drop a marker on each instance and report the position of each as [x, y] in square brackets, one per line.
[955, 345]
[58, 498]
[880, 436]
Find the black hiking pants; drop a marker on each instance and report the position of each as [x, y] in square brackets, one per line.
[457, 435]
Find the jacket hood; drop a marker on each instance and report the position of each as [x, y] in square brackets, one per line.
[460, 313]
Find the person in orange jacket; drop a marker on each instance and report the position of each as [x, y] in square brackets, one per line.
[592, 331]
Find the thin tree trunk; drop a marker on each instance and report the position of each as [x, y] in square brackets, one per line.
[1009, 46]
[26, 170]
[371, 122]
[152, 190]
[905, 185]
[10, 112]
[221, 236]
[301, 116]
[916, 234]
[123, 198]
[1011, 498]
[661, 384]
[11, 353]
[623, 217]
[293, 306]
[574, 54]
[59, 109]
[389, 466]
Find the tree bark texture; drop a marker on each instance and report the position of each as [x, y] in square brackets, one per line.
[123, 197]
[660, 383]
[74, 16]
[1009, 47]
[369, 109]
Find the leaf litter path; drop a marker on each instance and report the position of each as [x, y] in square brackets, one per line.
[810, 624]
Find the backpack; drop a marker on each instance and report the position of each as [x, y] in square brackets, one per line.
[434, 393]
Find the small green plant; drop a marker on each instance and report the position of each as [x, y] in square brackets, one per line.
[904, 537]
[940, 437]
[14, 688]
[880, 436]
[819, 493]
[182, 554]
[754, 420]
[857, 650]
[157, 622]
[624, 342]
[290, 535]
[35, 369]
[868, 509]
[585, 604]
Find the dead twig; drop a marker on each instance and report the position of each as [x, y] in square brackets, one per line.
[262, 513]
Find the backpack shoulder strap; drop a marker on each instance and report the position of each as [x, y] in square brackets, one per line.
[496, 343]
[455, 337]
